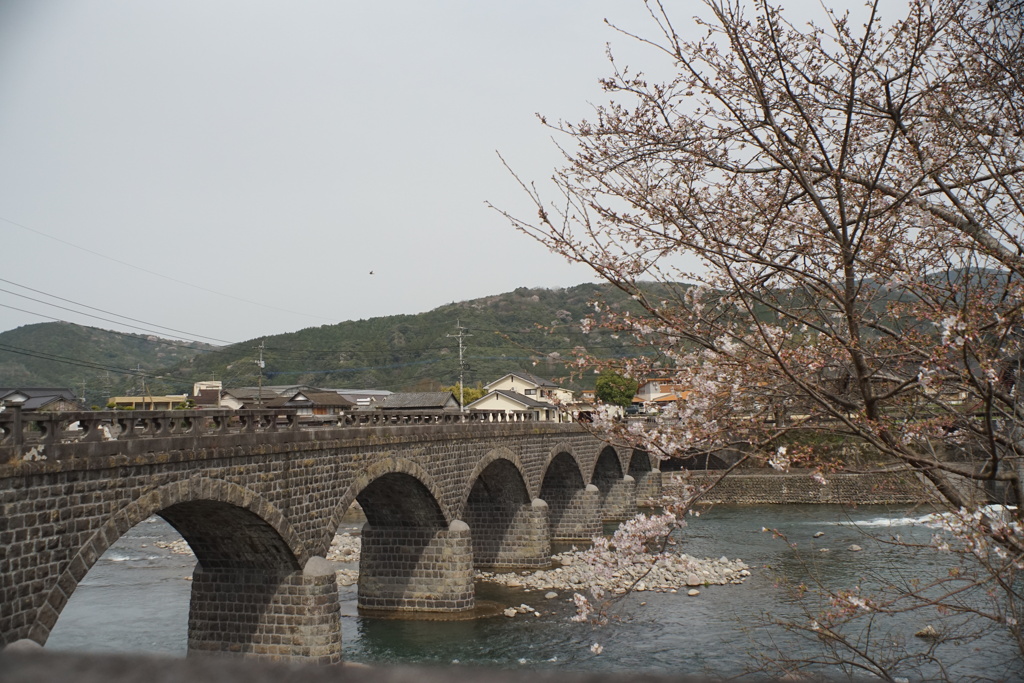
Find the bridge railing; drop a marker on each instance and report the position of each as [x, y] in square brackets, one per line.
[28, 429]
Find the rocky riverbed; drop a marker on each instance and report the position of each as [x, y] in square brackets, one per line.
[570, 571]
[669, 573]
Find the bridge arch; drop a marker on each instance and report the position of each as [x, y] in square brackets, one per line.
[563, 448]
[508, 529]
[572, 503]
[646, 472]
[228, 527]
[495, 454]
[415, 556]
[616, 490]
[367, 477]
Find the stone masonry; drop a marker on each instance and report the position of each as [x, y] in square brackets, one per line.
[259, 504]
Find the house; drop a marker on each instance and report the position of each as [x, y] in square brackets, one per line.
[523, 392]
[206, 394]
[40, 398]
[532, 386]
[420, 400]
[314, 404]
[148, 402]
[247, 398]
[513, 402]
[364, 398]
[656, 388]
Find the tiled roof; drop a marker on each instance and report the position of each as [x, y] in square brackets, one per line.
[539, 381]
[39, 397]
[512, 396]
[207, 397]
[311, 398]
[247, 393]
[418, 400]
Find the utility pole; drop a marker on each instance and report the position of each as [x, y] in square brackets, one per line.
[462, 366]
[142, 379]
[261, 365]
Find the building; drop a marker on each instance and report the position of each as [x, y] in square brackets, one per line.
[519, 392]
[324, 405]
[246, 398]
[148, 402]
[513, 402]
[206, 394]
[420, 400]
[658, 391]
[364, 398]
[537, 388]
[40, 398]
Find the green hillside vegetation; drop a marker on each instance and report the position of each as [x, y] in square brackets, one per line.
[62, 354]
[536, 330]
[529, 329]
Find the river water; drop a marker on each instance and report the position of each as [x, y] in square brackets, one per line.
[135, 599]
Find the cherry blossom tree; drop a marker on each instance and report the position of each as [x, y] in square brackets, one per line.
[821, 229]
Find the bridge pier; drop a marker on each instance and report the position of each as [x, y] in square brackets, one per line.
[648, 487]
[618, 499]
[510, 538]
[575, 513]
[265, 615]
[426, 569]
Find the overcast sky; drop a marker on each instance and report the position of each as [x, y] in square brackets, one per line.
[235, 169]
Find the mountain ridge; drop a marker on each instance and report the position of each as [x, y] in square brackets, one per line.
[533, 329]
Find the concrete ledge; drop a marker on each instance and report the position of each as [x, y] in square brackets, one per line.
[81, 668]
[797, 487]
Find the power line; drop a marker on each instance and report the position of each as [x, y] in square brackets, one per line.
[101, 310]
[160, 275]
[84, 363]
[130, 335]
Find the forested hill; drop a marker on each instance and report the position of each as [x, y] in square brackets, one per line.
[528, 329]
[62, 354]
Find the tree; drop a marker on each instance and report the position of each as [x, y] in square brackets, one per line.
[846, 201]
[469, 394]
[615, 389]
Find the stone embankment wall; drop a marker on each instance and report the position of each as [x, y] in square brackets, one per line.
[770, 487]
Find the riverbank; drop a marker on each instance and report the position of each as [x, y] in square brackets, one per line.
[768, 487]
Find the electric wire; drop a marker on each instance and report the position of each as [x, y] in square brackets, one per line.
[160, 275]
[86, 364]
[76, 303]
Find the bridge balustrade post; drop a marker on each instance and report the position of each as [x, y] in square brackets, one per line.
[260, 614]
[17, 427]
[422, 569]
[91, 428]
[49, 426]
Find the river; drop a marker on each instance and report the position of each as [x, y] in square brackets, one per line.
[135, 599]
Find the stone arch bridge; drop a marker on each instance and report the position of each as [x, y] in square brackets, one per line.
[258, 496]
